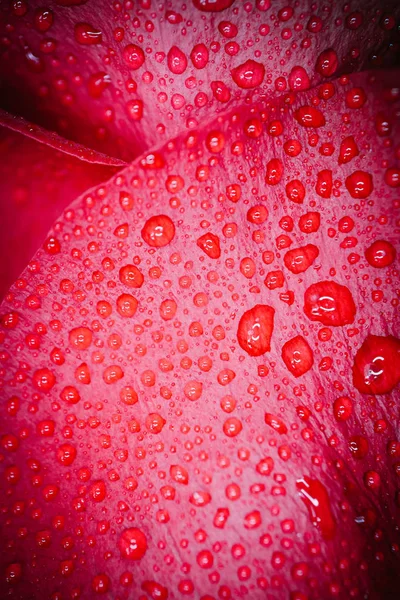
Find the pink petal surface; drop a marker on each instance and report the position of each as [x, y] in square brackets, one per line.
[121, 77]
[159, 444]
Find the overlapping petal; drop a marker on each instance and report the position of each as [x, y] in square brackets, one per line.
[187, 364]
[121, 77]
[38, 180]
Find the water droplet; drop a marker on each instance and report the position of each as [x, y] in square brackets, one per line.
[255, 330]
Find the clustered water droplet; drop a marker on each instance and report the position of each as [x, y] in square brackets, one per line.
[197, 364]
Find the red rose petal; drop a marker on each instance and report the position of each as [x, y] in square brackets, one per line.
[37, 182]
[282, 495]
[121, 77]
